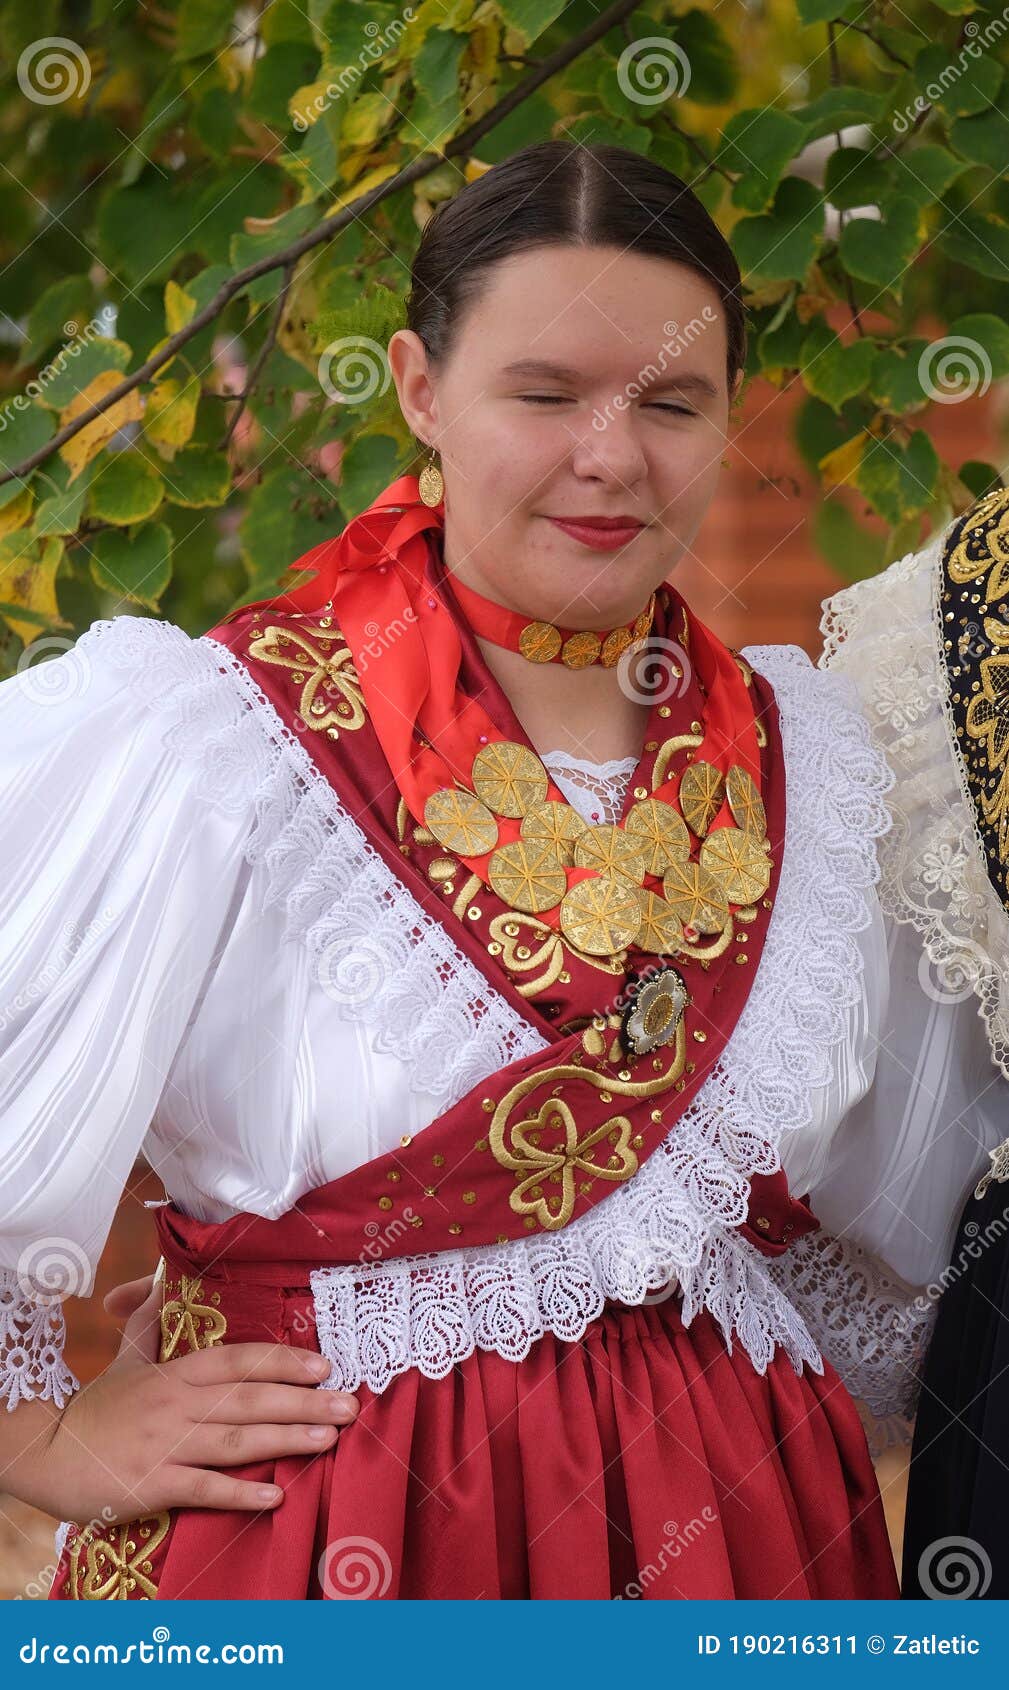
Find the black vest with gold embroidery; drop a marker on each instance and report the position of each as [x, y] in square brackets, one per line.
[974, 643]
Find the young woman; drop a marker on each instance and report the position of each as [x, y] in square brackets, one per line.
[486, 958]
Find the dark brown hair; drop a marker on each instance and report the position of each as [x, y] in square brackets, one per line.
[565, 193]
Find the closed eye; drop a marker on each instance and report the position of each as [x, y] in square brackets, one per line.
[559, 399]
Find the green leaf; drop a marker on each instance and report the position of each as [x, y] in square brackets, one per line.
[369, 464]
[982, 139]
[74, 367]
[202, 26]
[896, 381]
[979, 477]
[249, 249]
[60, 313]
[833, 371]
[280, 524]
[758, 144]
[899, 481]
[24, 427]
[142, 230]
[836, 108]
[61, 512]
[135, 565]
[958, 89]
[880, 250]
[823, 11]
[781, 244]
[990, 334]
[125, 488]
[924, 173]
[531, 17]
[855, 177]
[714, 74]
[979, 240]
[199, 476]
[437, 110]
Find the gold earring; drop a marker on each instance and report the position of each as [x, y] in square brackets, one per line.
[432, 485]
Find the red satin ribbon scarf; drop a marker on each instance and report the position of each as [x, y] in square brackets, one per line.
[374, 666]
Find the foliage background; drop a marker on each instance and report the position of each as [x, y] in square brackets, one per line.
[855, 154]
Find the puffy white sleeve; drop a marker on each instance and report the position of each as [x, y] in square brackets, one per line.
[119, 859]
[889, 1183]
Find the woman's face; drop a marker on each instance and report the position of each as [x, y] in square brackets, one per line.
[631, 422]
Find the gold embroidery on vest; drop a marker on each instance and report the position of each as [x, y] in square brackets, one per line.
[986, 716]
[324, 666]
[116, 1560]
[184, 1318]
[518, 1144]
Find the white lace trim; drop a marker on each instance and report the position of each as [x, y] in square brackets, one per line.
[32, 1336]
[595, 790]
[678, 1217]
[885, 633]
[872, 1326]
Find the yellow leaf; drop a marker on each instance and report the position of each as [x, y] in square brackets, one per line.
[363, 185]
[16, 514]
[89, 442]
[180, 307]
[475, 167]
[841, 465]
[365, 120]
[170, 416]
[307, 104]
[28, 578]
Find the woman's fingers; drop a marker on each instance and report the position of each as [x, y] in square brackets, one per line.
[121, 1301]
[215, 1445]
[141, 1339]
[249, 1403]
[228, 1363]
[196, 1487]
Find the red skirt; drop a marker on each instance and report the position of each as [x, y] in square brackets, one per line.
[642, 1461]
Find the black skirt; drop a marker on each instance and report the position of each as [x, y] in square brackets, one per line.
[956, 1537]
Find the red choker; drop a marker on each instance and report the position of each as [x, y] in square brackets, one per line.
[547, 642]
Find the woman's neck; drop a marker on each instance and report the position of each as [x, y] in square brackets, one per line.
[584, 711]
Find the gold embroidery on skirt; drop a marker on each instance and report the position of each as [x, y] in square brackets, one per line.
[185, 1318]
[116, 1560]
[113, 1562]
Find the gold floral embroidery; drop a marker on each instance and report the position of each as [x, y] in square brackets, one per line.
[186, 1319]
[518, 1144]
[321, 661]
[114, 1563]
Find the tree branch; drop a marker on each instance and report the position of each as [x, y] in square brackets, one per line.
[423, 165]
[255, 370]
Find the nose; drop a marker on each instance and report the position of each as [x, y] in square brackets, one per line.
[611, 452]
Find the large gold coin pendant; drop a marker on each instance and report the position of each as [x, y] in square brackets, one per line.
[460, 822]
[701, 792]
[745, 801]
[738, 862]
[660, 832]
[661, 929]
[527, 875]
[555, 824]
[509, 777]
[601, 916]
[696, 897]
[539, 642]
[609, 850]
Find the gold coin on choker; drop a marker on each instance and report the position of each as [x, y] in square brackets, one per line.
[660, 832]
[643, 623]
[539, 642]
[527, 875]
[701, 792]
[661, 930]
[555, 824]
[509, 777]
[609, 850]
[579, 650]
[696, 896]
[745, 801]
[460, 822]
[600, 916]
[737, 861]
[614, 646]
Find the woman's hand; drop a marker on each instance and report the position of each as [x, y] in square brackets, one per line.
[145, 1436]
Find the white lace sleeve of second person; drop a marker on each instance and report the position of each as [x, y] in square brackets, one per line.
[120, 855]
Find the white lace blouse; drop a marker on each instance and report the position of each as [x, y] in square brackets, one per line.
[203, 961]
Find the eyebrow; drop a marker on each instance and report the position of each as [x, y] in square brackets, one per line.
[688, 382]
